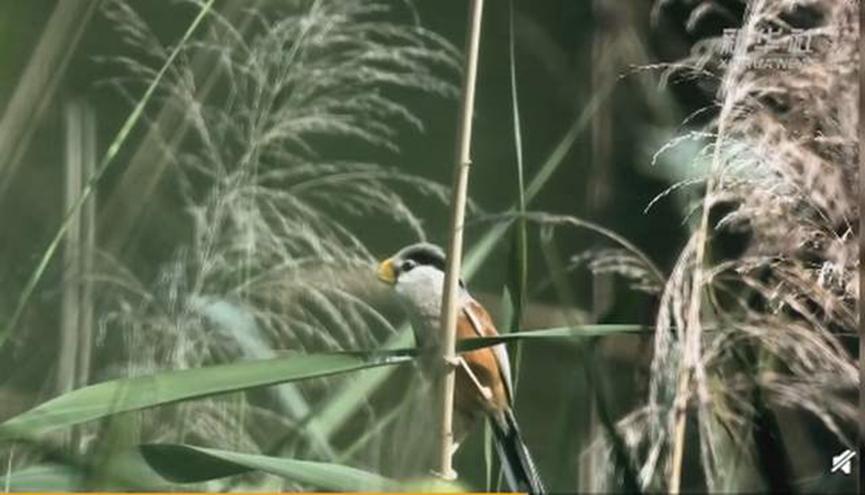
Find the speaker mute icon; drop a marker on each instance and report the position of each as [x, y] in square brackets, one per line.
[843, 462]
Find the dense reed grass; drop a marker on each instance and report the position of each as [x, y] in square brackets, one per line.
[778, 172]
[269, 261]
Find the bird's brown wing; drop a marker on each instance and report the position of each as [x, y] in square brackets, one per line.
[490, 364]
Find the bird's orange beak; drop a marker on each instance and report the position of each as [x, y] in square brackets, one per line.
[386, 272]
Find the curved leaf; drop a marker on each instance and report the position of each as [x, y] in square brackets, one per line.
[190, 464]
[46, 478]
[126, 471]
[553, 333]
[107, 398]
[103, 399]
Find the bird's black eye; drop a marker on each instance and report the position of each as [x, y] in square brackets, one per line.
[407, 265]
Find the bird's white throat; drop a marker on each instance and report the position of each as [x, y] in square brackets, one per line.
[420, 292]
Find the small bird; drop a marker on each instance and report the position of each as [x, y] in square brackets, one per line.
[483, 376]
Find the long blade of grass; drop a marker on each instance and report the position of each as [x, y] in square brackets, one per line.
[516, 289]
[63, 471]
[578, 331]
[514, 293]
[43, 478]
[107, 161]
[191, 464]
[518, 270]
[116, 396]
[165, 467]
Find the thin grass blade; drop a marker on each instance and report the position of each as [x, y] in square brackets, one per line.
[116, 396]
[191, 464]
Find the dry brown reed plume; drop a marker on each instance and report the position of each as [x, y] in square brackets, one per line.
[780, 163]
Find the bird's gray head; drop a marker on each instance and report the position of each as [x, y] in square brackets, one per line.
[417, 274]
[421, 255]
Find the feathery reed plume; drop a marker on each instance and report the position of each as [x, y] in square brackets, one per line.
[272, 261]
[781, 171]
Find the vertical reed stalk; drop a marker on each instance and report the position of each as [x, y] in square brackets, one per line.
[450, 298]
[77, 310]
[693, 330]
[693, 325]
[87, 250]
[68, 342]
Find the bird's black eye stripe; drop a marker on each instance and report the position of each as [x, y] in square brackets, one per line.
[407, 265]
[421, 254]
[429, 259]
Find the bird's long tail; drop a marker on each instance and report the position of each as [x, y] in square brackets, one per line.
[519, 469]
